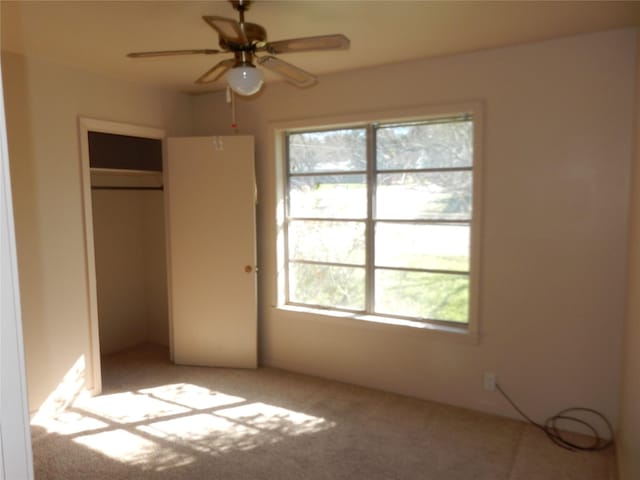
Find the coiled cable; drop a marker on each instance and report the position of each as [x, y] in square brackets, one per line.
[550, 427]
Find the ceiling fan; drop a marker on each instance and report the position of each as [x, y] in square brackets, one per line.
[245, 40]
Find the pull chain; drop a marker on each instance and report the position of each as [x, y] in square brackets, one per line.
[231, 98]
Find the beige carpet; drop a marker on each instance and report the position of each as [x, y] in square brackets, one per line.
[160, 421]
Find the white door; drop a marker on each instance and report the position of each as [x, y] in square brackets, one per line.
[210, 188]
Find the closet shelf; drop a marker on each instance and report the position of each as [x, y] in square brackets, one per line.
[122, 171]
[121, 179]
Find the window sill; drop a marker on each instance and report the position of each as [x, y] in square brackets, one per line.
[462, 333]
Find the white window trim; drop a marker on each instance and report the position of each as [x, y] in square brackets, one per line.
[276, 136]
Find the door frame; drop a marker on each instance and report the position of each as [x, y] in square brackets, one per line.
[86, 125]
[16, 456]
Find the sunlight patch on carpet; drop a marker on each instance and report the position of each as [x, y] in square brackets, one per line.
[69, 422]
[169, 426]
[134, 450]
[239, 428]
[274, 419]
[191, 396]
[205, 433]
[130, 407]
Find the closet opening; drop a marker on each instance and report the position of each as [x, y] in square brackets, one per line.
[125, 239]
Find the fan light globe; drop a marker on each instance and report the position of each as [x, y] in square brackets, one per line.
[245, 80]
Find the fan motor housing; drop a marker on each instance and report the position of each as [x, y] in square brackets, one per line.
[241, 5]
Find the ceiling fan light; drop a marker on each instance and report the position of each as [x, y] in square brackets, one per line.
[245, 80]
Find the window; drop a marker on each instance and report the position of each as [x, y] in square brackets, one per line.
[379, 219]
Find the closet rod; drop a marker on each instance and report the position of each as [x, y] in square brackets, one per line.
[98, 187]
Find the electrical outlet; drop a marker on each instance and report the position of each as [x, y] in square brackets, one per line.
[489, 381]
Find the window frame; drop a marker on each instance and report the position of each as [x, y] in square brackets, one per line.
[371, 122]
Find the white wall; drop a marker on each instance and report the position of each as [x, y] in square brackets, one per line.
[131, 276]
[43, 102]
[557, 153]
[629, 430]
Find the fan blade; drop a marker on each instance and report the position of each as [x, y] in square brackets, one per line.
[305, 44]
[216, 71]
[228, 29]
[292, 74]
[162, 53]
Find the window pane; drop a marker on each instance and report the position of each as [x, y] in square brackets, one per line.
[433, 247]
[431, 296]
[329, 196]
[336, 242]
[424, 196]
[326, 285]
[334, 151]
[425, 146]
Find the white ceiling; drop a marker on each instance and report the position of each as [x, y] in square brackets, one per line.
[96, 35]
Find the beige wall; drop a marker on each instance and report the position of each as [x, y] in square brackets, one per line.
[557, 154]
[43, 102]
[155, 268]
[119, 254]
[131, 276]
[629, 434]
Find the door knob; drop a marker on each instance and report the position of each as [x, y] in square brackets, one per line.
[248, 268]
